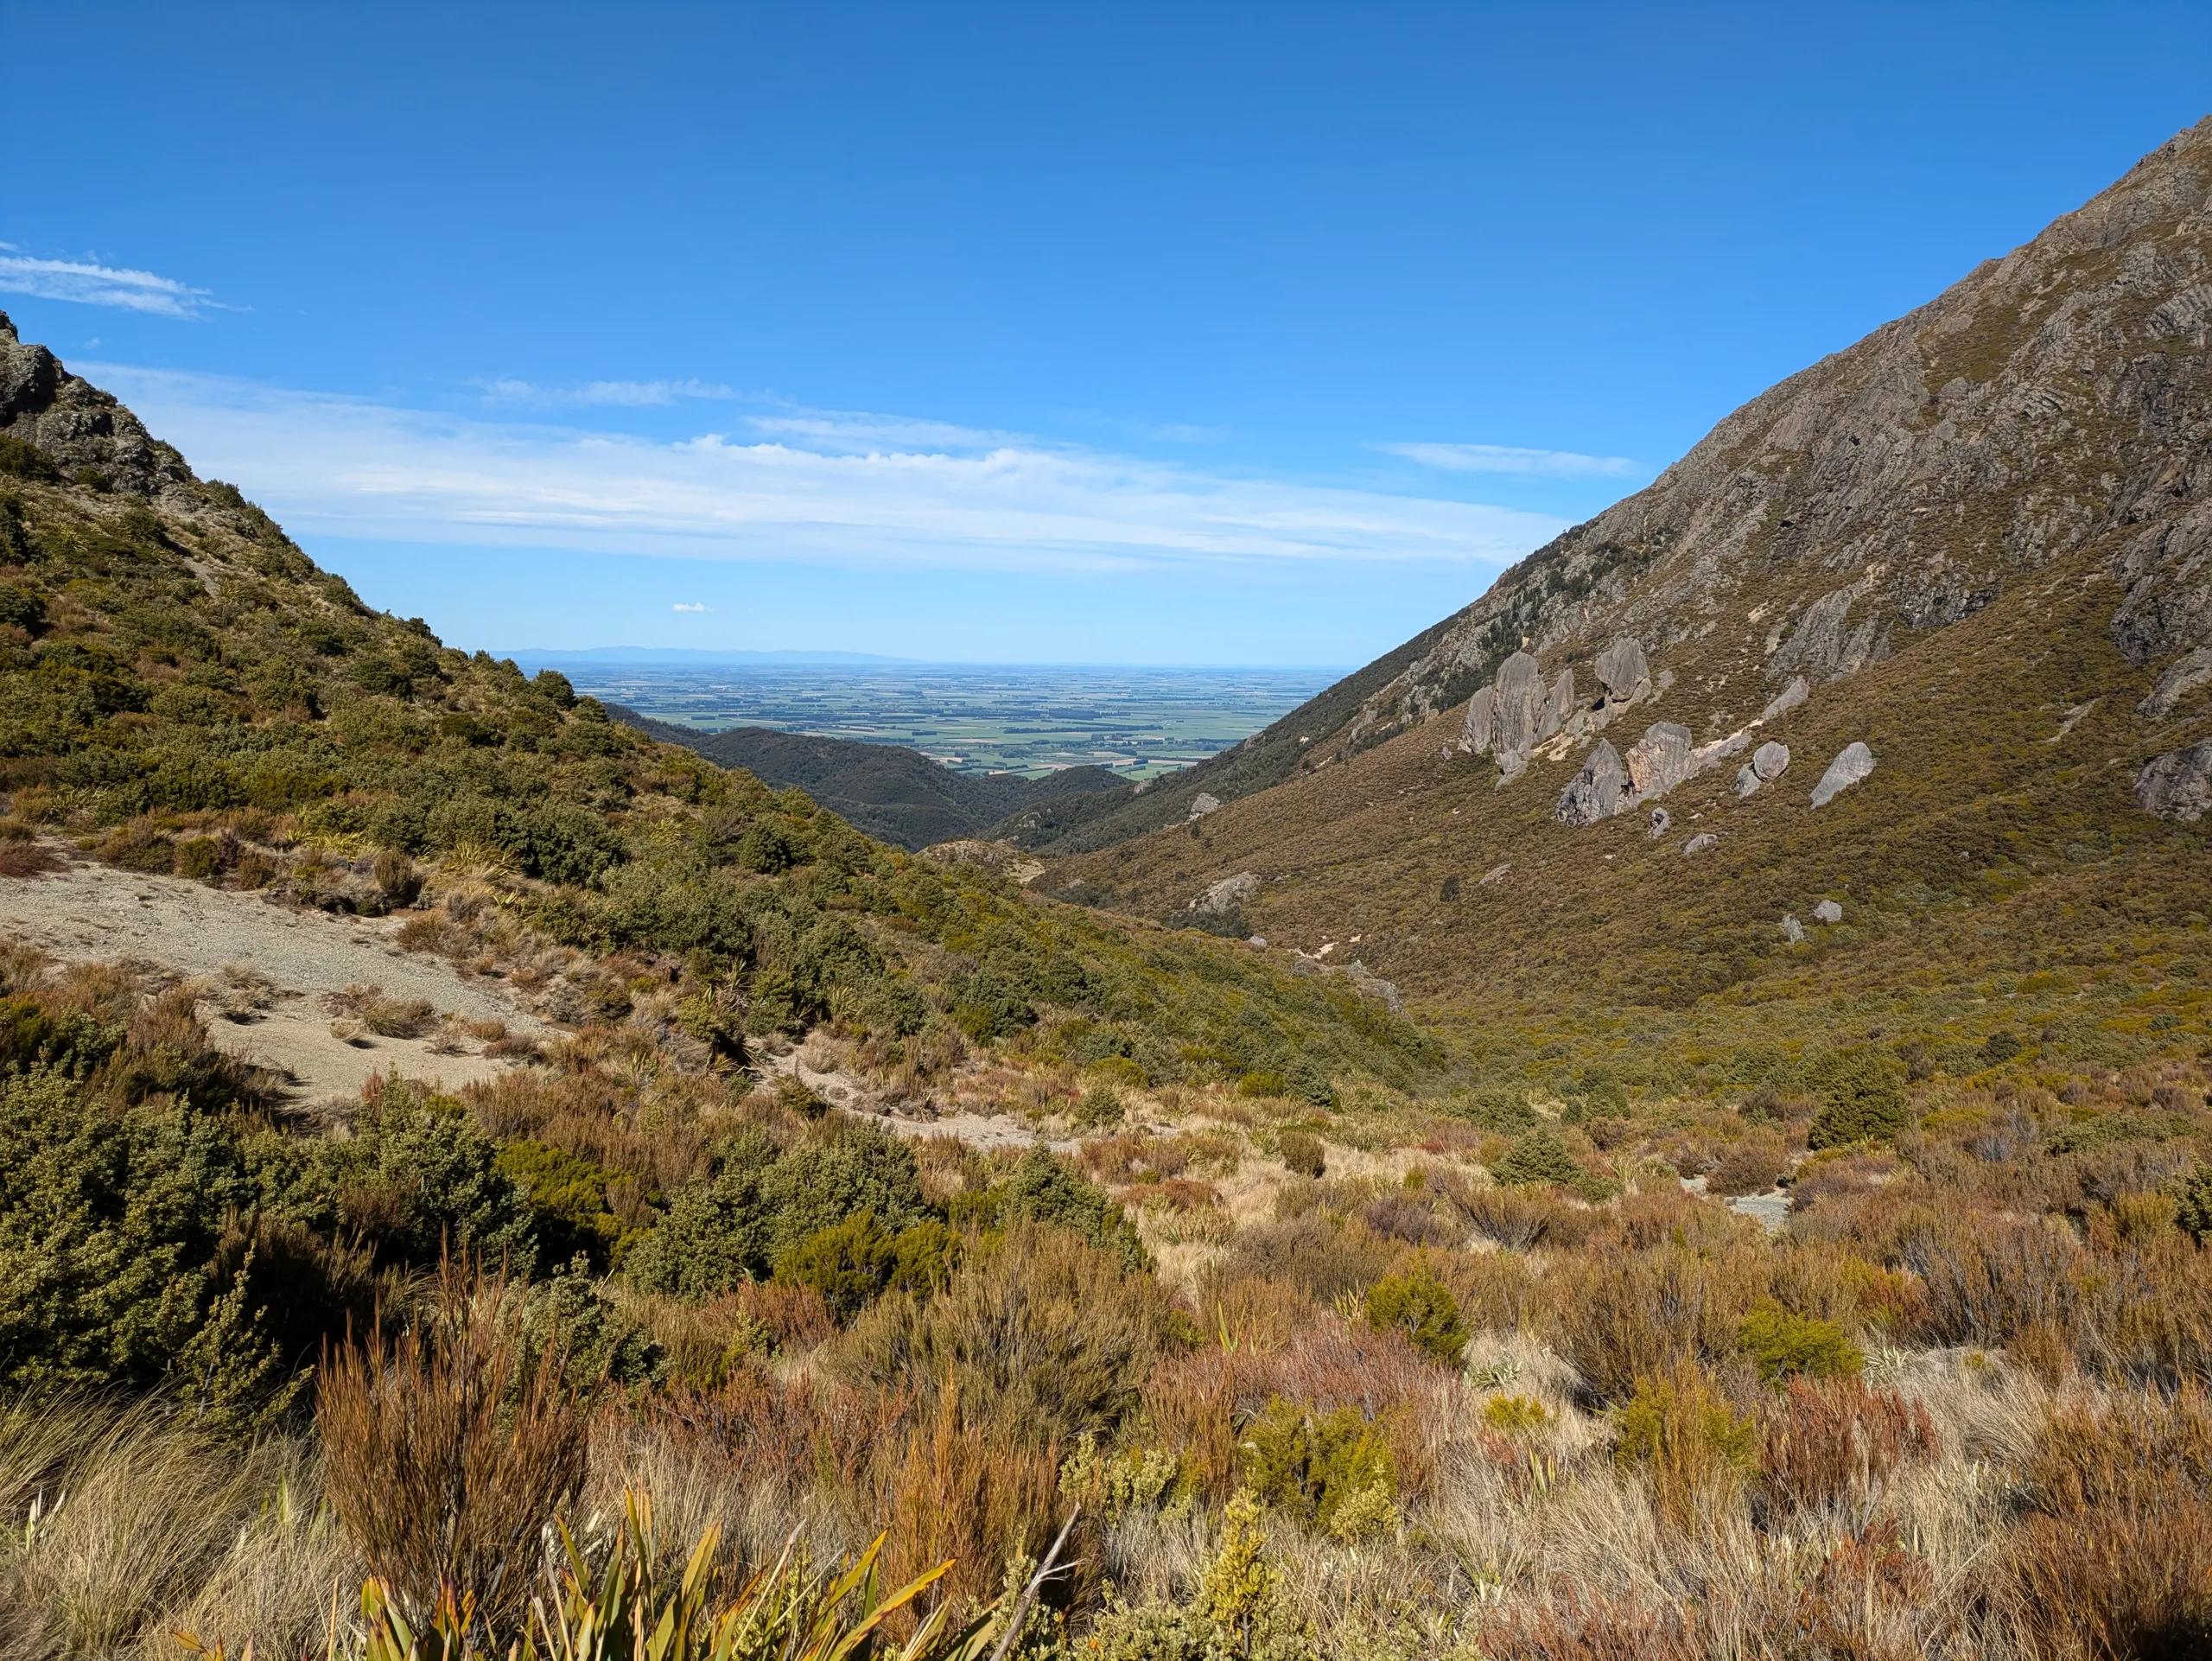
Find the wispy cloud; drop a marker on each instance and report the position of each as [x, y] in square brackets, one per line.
[621, 394]
[1504, 458]
[859, 488]
[691, 606]
[89, 284]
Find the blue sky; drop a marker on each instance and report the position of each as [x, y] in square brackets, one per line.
[1180, 334]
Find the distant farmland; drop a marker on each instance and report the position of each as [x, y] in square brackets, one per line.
[988, 719]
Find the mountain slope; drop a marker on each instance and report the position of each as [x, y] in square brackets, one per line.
[1977, 537]
[886, 790]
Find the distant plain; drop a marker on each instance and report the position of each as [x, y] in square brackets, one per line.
[976, 718]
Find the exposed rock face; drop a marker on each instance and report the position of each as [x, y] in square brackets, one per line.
[1623, 670]
[1827, 911]
[1793, 931]
[76, 425]
[1369, 984]
[1747, 780]
[1699, 843]
[2191, 670]
[1770, 760]
[1599, 791]
[1660, 818]
[1475, 731]
[1559, 707]
[1202, 805]
[1825, 645]
[1786, 699]
[2048, 404]
[1854, 762]
[1229, 894]
[1519, 692]
[2177, 785]
[1660, 759]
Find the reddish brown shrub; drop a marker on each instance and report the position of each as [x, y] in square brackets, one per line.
[448, 1452]
[1827, 1442]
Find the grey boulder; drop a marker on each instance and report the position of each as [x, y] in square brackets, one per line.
[1770, 760]
[1229, 894]
[1827, 911]
[1853, 763]
[1699, 844]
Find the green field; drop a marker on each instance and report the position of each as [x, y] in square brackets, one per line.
[1026, 720]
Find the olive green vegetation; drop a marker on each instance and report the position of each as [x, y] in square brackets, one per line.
[186, 691]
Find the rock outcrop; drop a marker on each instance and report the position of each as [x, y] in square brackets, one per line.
[1854, 762]
[1827, 911]
[1229, 894]
[1700, 843]
[1597, 791]
[1660, 759]
[2185, 675]
[1624, 672]
[76, 426]
[1201, 804]
[2177, 785]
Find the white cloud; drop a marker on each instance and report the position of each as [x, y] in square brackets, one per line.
[89, 284]
[826, 487]
[625, 394]
[1503, 458]
[692, 606]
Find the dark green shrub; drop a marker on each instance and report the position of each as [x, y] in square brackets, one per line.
[21, 459]
[1862, 1095]
[109, 1222]
[1100, 1108]
[715, 1236]
[567, 1196]
[857, 1168]
[420, 1181]
[1043, 1190]
[1417, 1304]
[849, 1264]
[1538, 1156]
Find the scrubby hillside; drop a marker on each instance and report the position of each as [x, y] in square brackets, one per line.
[885, 790]
[1971, 542]
[182, 688]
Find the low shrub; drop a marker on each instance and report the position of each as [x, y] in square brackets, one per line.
[1302, 1154]
[1415, 1302]
[1332, 1471]
[1782, 1346]
[1680, 1431]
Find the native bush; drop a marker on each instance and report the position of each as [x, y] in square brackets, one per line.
[1415, 1302]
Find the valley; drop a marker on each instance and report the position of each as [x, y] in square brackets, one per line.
[1670, 1114]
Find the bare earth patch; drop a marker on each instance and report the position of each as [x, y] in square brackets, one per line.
[87, 912]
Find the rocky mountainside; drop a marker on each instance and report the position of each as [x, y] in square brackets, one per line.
[1938, 607]
[886, 790]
